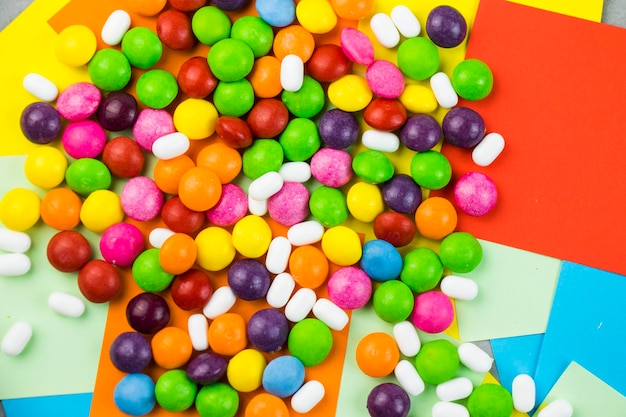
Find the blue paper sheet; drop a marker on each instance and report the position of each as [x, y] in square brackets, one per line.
[516, 355]
[72, 405]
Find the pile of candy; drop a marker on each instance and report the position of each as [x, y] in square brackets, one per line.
[235, 163]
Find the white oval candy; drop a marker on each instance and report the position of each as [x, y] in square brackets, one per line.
[407, 339]
[557, 408]
[291, 73]
[265, 186]
[257, 207]
[14, 264]
[524, 393]
[447, 409]
[278, 254]
[409, 379]
[171, 145]
[380, 140]
[300, 305]
[307, 397]
[198, 328]
[330, 313]
[13, 241]
[298, 171]
[220, 302]
[115, 27]
[474, 357]
[40, 87]
[66, 304]
[454, 389]
[158, 236]
[405, 21]
[305, 233]
[384, 30]
[444, 92]
[489, 148]
[16, 338]
[280, 290]
[460, 288]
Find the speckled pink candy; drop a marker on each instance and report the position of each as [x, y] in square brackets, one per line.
[332, 167]
[83, 139]
[151, 124]
[475, 194]
[230, 208]
[385, 79]
[433, 312]
[141, 199]
[356, 46]
[78, 101]
[349, 287]
[121, 244]
[290, 205]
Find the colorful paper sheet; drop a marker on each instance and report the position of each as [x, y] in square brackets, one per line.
[516, 355]
[74, 405]
[583, 9]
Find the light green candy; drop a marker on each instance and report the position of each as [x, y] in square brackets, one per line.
[174, 391]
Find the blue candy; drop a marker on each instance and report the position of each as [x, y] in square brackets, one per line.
[134, 394]
[279, 13]
[381, 260]
[283, 376]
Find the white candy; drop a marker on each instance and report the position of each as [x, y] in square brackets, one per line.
[265, 186]
[295, 172]
[524, 393]
[16, 338]
[12, 241]
[454, 389]
[305, 233]
[307, 397]
[115, 27]
[488, 149]
[280, 290]
[407, 339]
[158, 236]
[459, 288]
[405, 21]
[14, 264]
[40, 87]
[257, 207]
[385, 31]
[220, 302]
[474, 357]
[409, 379]
[330, 313]
[300, 305]
[198, 328]
[66, 304]
[557, 408]
[278, 254]
[379, 140]
[446, 409]
[444, 92]
[291, 73]
[171, 145]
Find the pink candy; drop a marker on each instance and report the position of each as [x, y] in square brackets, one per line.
[433, 312]
[475, 194]
[385, 79]
[141, 199]
[230, 208]
[78, 101]
[290, 205]
[332, 167]
[83, 139]
[356, 46]
[349, 287]
[151, 124]
[121, 243]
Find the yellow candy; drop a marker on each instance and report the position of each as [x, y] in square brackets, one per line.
[350, 93]
[196, 118]
[20, 209]
[365, 201]
[45, 167]
[316, 16]
[418, 99]
[215, 248]
[342, 246]
[252, 236]
[75, 45]
[245, 370]
[101, 210]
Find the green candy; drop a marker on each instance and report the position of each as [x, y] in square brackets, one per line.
[86, 175]
[490, 400]
[460, 252]
[418, 58]
[437, 361]
[210, 24]
[255, 32]
[234, 98]
[393, 301]
[421, 269]
[230, 59]
[217, 400]
[157, 88]
[109, 70]
[308, 101]
[263, 156]
[431, 170]
[148, 273]
[328, 205]
[174, 391]
[372, 166]
[142, 47]
[310, 340]
[472, 79]
[300, 139]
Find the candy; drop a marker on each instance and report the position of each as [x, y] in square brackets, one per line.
[307, 101]
[268, 330]
[308, 266]
[16, 338]
[66, 304]
[174, 391]
[437, 361]
[230, 208]
[68, 251]
[283, 376]
[444, 91]
[459, 288]
[254, 32]
[278, 13]
[338, 129]
[15, 242]
[147, 313]
[99, 281]
[195, 78]
[268, 118]
[433, 312]
[146, 7]
[19, 209]
[141, 199]
[75, 45]
[308, 396]
[349, 287]
[234, 98]
[330, 314]
[310, 340]
[305, 233]
[60, 208]
[156, 88]
[245, 370]
[198, 329]
[115, 27]
[40, 87]
[170, 146]
[264, 404]
[435, 218]
[280, 290]
[295, 172]
[328, 206]
[472, 79]
[187, 5]
[402, 194]
[300, 305]
[446, 27]
[388, 400]
[332, 167]
[377, 354]
[222, 159]
[463, 127]
[173, 28]
[420, 133]
[328, 63]
[118, 111]
[460, 252]
[356, 46]
[206, 368]
[167, 173]
[316, 16]
[14, 264]
[265, 77]
[350, 93]
[218, 399]
[474, 358]
[158, 236]
[151, 124]
[409, 379]
[78, 101]
[557, 408]
[448, 409]
[148, 273]
[171, 347]
[407, 339]
[265, 186]
[523, 392]
[475, 193]
[290, 205]
[130, 352]
[395, 228]
[384, 30]
[199, 189]
[490, 400]
[215, 248]
[230, 59]
[431, 169]
[134, 394]
[393, 301]
[300, 139]
[380, 141]
[365, 201]
[210, 25]
[178, 254]
[385, 114]
[372, 166]
[381, 260]
[418, 58]
[252, 236]
[121, 243]
[454, 389]
[342, 246]
[405, 21]
[83, 139]
[100, 210]
[248, 279]
[294, 40]
[40, 123]
[109, 69]
[45, 167]
[488, 149]
[220, 302]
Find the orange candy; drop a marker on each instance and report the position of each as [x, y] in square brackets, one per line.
[199, 189]
[178, 253]
[221, 159]
[294, 40]
[309, 266]
[435, 218]
[266, 405]
[146, 7]
[171, 347]
[352, 9]
[265, 77]
[227, 334]
[60, 209]
[167, 173]
[377, 354]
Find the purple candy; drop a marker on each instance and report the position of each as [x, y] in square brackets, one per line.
[40, 123]
[463, 127]
[388, 400]
[147, 313]
[229, 5]
[249, 279]
[130, 352]
[118, 111]
[338, 129]
[402, 194]
[446, 27]
[420, 132]
[268, 330]
[206, 368]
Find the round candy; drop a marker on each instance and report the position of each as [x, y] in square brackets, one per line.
[169, 172]
[109, 70]
[68, 251]
[420, 133]
[147, 313]
[283, 376]
[418, 58]
[402, 194]
[146, 7]
[19, 209]
[350, 288]
[388, 400]
[178, 253]
[268, 330]
[310, 340]
[218, 399]
[393, 301]
[252, 236]
[446, 26]
[433, 312]
[300, 139]
[328, 206]
[352, 9]
[99, 281]
[385, 114]
[332, 167]
[173, 28]
[245, 370]
[45, 167]
[227, 334]
[381, 260]
[130, 352]
[278, 13]
[350, 93]
[490, 400]
[75, 45]
[341, 245]
[308, 266]
[308, 101]
[118, 111]
[121, 243]
[100, 210]
[210, 25]
[156, 88]
[215, 248]
[437, 361]
[377, 354]
[268, 118]
[195, 78]
[151, 124]
[255, 32]
[171, 347]
[265, 77]
[60, 209]
[328, 63]
[290, 205]
[179, 219]
[231, 207]
[395, 228]
[365, 201]
[40, 123]
[418, 99]
[385, 79]
[141, 199]
[316, 16]
[174, 391]
[134, 394]
[472, 79]
[435, 218]
[230, 59]
[196, 118]
[206, 368]
[234, 133]
[199, 189]
[431, 169]
[475, 194]
[338, 129]
[266, 405]
[187, 5]
[191, 290]
[78, 101]
[234, 98]
[372, 166]
[123, 157]
[249, 279]
[83, 139]
[356, 46]
[148, 273]
[460, 252]
[422, 269]
[463, 127]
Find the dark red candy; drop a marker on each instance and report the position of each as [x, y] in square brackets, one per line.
[99, 281]
[234, 131]
[118, 111]
[328, 63]
[249, 279]
[206, 368]
[123, 156]
[395, 228]
[191, 290]
[268, 330]
[187, 5]
[179, 218]
[268, 118]
[40, 123]
[173, 27]
[130, 352]
[147, 313]
[385, 114]
[68, 251]
[195, 78]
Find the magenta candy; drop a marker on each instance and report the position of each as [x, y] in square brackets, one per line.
[290, 205]
[385, 79]
[475, 194]
[230, 208]
[83, 139]
[332, 167]
[356, 46]
[121, 243]
[78, 101]
[433, 312]
[141, 199]
[151, 124]
[349, 287]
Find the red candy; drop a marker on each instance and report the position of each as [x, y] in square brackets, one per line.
[191, 290]
[173, 27]
[328, 63]
[123, 156]
[68, 251]
[99, 281]
[268, 118]
[187, 5]
[385, 114]
[178, 218]
[234, 131]
[195, 78]
[395, 228]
